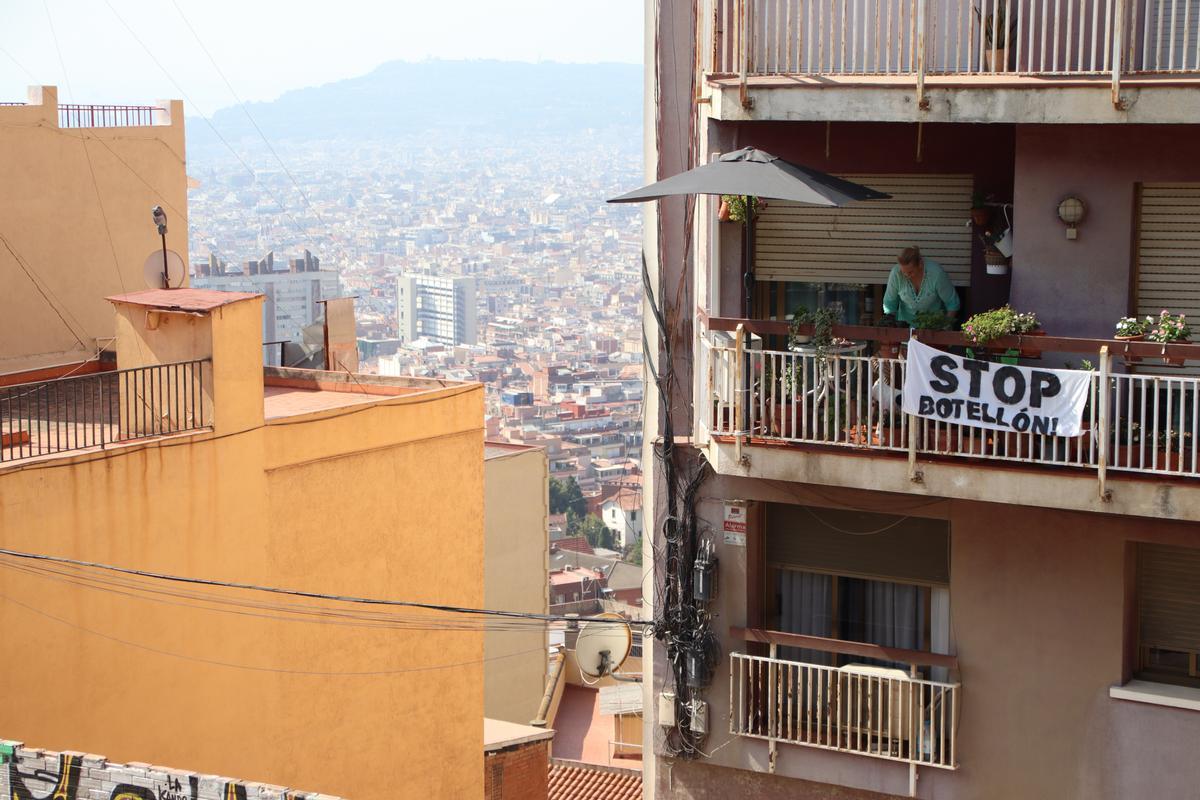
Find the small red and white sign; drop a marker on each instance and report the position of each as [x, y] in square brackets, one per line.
[734, 524]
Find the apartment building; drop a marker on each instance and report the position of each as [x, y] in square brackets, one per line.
[62, 250]
[905, 606]
[291, 296]
[516, 564]
[438, 308]
[189, 458]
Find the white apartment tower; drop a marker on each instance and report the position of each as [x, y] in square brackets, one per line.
[291, 297]
[441, 309]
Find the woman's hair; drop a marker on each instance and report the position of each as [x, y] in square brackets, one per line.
[909, 255]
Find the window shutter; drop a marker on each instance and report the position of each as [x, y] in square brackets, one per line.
[1168, 592]
[859, 243]
[860, 544]
[1169, 249]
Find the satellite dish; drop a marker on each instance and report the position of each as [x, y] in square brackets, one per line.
[603, 644]
[152, 270]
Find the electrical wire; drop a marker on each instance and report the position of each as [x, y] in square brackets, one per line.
[450, 609]
[833, 527]
[20, 66]
[246, 111]
[45, 292]
[199, 111]
[258, 668]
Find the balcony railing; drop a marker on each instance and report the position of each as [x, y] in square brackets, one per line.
[868, 710]
[951, 37]
[100, 409]
[93, 116]
[1133, 423]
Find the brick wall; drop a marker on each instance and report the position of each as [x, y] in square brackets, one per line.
[517, 773]
[28, 773]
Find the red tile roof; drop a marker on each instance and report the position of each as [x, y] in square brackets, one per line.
[182, 299]
[574, 781]
[578, 544]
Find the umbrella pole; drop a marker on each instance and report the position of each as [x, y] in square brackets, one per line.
[748, 257]
[748, 281]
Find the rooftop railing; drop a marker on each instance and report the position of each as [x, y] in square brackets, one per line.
[101, 409]
[102, 116]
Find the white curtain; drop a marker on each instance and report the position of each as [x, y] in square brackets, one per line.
[806, 600]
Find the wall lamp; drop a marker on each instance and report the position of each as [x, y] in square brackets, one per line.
[1071, 211]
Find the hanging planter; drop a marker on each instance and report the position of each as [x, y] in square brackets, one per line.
[995, 261]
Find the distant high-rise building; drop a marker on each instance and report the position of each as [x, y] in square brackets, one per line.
[292, 297]
[441, 309]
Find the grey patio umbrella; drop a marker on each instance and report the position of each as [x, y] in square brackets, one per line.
[753, 173]
[750, 172]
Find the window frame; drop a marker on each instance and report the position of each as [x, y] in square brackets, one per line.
[1140, 667]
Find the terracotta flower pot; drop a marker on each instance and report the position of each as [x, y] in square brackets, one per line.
[723, 211]
[981, 216]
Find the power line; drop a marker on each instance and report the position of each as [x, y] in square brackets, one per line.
[246, 111]
[46, 292]
[200, 111]
[112, 248]
[20, 66]
[476, 612]
[256, 668]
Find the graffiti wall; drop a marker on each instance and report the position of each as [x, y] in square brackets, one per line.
[28, 774]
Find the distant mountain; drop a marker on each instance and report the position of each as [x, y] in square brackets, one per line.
[473, 96]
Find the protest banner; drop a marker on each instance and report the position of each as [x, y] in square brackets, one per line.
[1002, 397]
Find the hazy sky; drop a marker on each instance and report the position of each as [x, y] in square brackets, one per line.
[266, 47]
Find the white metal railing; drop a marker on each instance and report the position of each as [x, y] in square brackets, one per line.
[870, 711]
[951, 37]
[853, 401]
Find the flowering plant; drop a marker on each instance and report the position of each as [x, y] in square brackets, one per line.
[1004, 321]
[1168, 327]
[1132, 326]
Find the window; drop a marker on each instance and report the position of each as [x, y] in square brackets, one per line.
[633, 516]
[1168, 614]
[856, 576]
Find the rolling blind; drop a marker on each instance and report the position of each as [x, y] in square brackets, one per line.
[859, 243]
[1169, 249]
[1168, 590]
[859, 544]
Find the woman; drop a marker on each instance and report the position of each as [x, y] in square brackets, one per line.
[918, 284]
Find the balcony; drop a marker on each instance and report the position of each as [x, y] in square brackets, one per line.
[935, 52]
[788, 415]
[96, 411]
[865, 709]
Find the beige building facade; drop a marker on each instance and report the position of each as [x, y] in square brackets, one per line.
[79, 183]
[213, 467]
[516, 562]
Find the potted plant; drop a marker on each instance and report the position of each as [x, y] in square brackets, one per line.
[988, 326]
[932, 321]
[802, 316]
[733, 208]
[1174, 451]
[822, 321]
[980, 215]
[1169, 328]
[1132, 329]
[996, 31]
